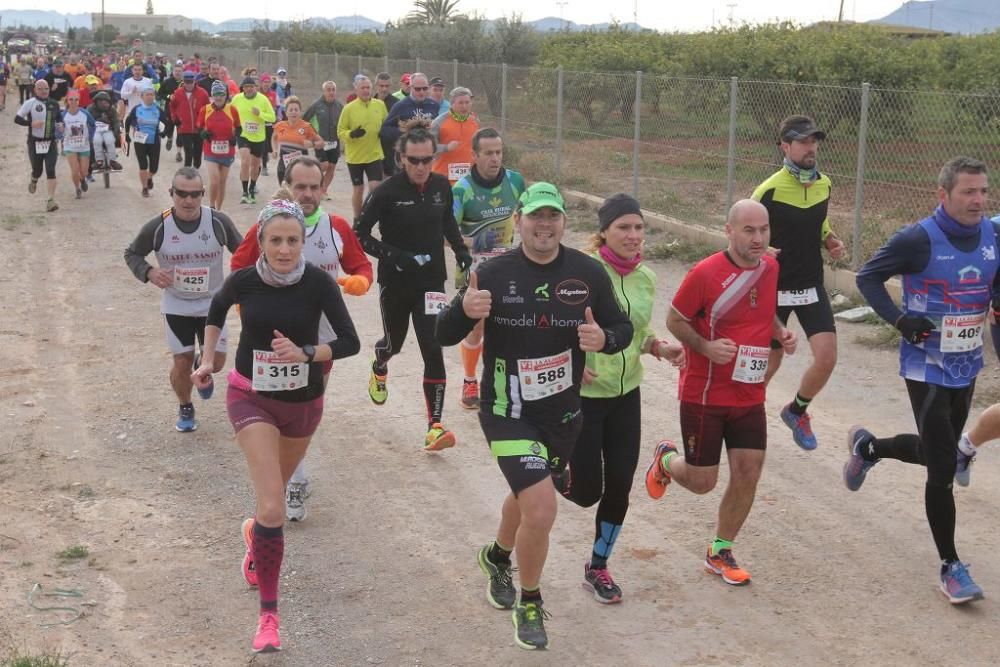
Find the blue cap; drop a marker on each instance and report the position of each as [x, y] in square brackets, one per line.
[189, 75]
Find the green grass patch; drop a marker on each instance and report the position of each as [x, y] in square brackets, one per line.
[679, 249]
[16, 658]
[75, 552]
[883, 337]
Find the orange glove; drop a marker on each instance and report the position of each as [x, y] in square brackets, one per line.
[353, 285]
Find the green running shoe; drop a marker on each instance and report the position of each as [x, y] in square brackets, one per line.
[529, 626]
[377, 390]
[500, 591]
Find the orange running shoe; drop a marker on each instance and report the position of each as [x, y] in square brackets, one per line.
[438, 438]
[470, 394]
[657, 479]
[724, 565]
[249, 573]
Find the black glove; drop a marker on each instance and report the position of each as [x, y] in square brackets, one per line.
[205, 135]
[914, 329]
[357, 133]
[406, 261]
[464, 260]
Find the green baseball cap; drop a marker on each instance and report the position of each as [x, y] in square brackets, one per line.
[541, 195]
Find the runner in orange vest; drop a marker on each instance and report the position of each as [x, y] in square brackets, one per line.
[454, 130]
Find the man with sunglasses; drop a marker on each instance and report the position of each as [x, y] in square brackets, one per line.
[415, 107]
[414, 212]
[188, 240]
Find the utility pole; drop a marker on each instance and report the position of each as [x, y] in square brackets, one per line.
[840, 14]
[732, 6]
[562, 6]
[930, 22]
[635, 14]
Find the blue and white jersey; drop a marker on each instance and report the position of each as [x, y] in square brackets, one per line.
[953, 292]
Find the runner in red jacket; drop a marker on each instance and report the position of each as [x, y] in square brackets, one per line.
[185, 104]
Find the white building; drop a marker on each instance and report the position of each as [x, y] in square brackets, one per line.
[129, 24]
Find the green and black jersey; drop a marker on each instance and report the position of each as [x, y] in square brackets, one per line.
[799, 226]
[532, 362]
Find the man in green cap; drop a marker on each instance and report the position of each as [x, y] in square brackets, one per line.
[544, 306]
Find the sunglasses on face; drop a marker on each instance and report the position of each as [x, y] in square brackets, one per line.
[418, 160]
[185, 194]
[419, 88]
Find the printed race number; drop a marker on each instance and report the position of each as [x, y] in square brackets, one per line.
[434, 302]
[962, 333]
[251, 127]
[272, 374]
[751, 364]
[219, 147]
[797, 297]
[289, 156]
[191, 280]
[139, 137]
[330, 146]
[457, 170]
[545, 376]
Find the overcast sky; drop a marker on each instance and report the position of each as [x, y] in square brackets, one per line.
[666, 15]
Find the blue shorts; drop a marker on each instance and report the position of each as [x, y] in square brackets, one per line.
[225, 161]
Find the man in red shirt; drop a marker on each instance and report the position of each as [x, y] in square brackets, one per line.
[724, 313]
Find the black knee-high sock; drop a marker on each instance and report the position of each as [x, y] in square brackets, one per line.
[903, 447]
[940, 504]
[434, 398]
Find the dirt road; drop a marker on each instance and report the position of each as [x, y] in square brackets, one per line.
[383, 571]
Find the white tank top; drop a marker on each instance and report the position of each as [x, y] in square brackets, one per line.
[196, 262]
[322, 249]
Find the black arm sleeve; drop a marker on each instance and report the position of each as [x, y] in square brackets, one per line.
[130, 121]
[22, 121]
[223, 301]
[618, 329]
[452, 324]
[908, 251]
[370, 214]
[225, 229]
[347, 343]
[143, 244]
[451, 230]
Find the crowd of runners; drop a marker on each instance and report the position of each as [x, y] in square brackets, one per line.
[562, 333]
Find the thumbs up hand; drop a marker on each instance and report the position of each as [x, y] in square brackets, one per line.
[592, 338]
[476, 303]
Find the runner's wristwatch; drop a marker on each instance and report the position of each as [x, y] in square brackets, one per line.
[309, 351]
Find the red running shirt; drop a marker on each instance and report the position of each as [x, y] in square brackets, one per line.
[721, 300]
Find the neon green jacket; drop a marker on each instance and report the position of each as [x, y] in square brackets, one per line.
[253, 125]
[621, 372]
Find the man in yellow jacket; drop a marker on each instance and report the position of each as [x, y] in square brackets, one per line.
[254, 111]
[358, 131]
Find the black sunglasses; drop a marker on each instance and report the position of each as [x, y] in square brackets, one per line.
[184, 194]
[419, 87]
[418, 160]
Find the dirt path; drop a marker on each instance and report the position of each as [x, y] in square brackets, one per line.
[383, 570]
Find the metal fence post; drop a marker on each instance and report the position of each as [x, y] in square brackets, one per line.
[361, 64]
[260, 57]
[637, 133]
[336, 64]
[385, 63]
[734, 100]
[454, 72]
[559, 120]
[859, 184]
[503, 100]
[316, 74]
[417, 68]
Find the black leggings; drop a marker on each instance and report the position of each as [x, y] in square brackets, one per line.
[148, 156]
[46, 160]
[940, 413]
[192, 147]
[399, 303]
[268, 133]
[26, 91]
[604, 461]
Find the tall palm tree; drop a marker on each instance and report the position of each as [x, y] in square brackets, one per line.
[434, 12]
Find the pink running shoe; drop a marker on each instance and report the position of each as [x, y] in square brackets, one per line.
[267, 639]
[249, 573]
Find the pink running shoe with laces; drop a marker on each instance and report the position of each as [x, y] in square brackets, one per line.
[267, 639]
[249, 573]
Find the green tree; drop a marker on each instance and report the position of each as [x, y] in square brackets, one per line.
[105, 35]
[434, 12]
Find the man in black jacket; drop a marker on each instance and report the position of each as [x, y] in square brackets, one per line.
[415, 216]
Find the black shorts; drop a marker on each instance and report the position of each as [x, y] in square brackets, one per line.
[148, 156]
[46, 161]
[816, 317]
[527, 453]
[183, 330]
[330, 156]
[373, 170]
[705, 427]
[256, 147]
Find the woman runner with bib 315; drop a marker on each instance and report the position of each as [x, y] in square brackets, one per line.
[275, 394]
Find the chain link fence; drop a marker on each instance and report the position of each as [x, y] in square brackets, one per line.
[688, 147]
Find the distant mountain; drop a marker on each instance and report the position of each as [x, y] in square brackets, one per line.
[36, 18]
[554, 24]
[960, 16]
[345, 23]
